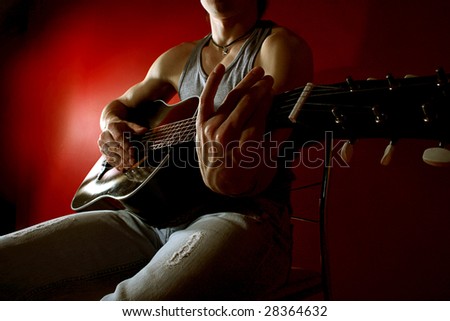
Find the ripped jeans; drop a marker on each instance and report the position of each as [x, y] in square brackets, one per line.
[113, 255]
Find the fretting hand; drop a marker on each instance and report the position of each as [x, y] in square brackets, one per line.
[234, 135]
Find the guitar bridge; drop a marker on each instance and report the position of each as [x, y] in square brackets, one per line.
[105, 167]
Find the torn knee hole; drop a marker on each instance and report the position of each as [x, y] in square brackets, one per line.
[186, 249]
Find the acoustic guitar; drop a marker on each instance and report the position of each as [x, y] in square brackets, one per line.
[165, 185]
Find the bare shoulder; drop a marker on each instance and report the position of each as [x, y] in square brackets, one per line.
[283, 36]
[287, 57]
[161, 81]
[170, 64]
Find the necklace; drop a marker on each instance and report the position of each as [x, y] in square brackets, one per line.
[226, 48]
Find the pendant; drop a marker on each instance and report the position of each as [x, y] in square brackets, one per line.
[225, 51]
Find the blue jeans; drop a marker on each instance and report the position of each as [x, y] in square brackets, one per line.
[113, 255]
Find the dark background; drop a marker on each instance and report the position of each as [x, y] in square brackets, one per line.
[62, 61]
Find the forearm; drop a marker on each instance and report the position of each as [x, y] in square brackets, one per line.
[113, 112]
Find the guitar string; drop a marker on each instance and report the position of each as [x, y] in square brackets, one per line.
[161, 139]
[164, 134]
[169, 127]
[161, 133]
[294, 94]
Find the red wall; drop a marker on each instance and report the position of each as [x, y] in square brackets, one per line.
[61, 63]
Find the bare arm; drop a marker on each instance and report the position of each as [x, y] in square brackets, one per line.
[287, 58]
[160, 83]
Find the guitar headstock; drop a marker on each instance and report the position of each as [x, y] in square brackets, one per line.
[390, 108]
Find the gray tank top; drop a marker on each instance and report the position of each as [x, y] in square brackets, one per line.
[193, 78]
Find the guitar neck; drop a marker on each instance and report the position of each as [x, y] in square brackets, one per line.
[407, 108]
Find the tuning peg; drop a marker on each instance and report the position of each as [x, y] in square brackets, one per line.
[441, 77]
[388, 153]
[391, 81]
[437, 156]
[380, 116]
[346, 151]
[350, 83]
[429, 114]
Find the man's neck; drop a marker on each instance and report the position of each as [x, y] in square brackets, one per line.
[227, 30]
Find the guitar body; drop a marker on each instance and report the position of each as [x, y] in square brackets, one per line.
[165, 189]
